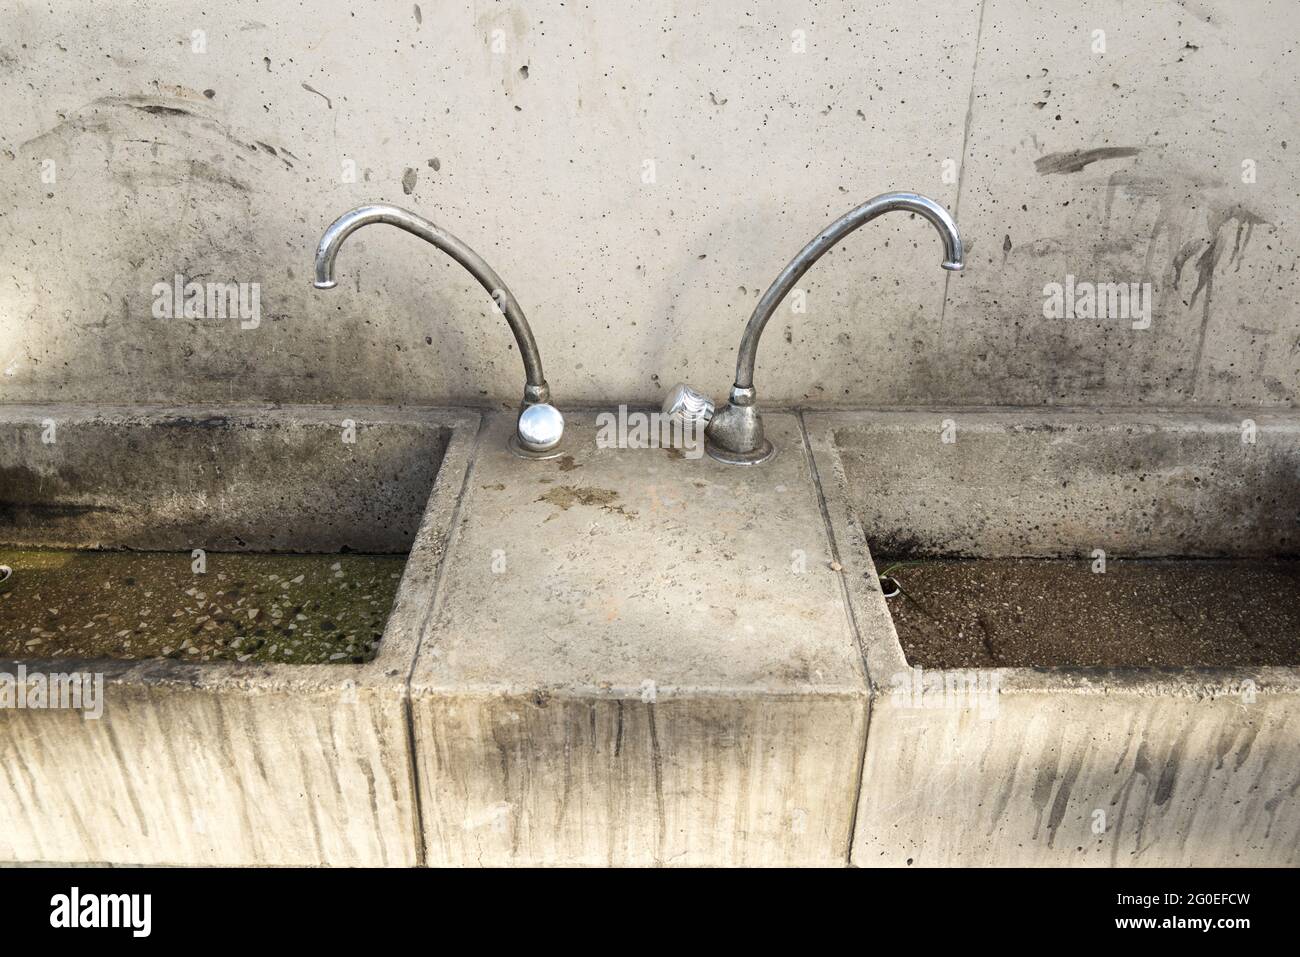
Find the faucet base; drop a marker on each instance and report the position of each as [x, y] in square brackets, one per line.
[728, 457]
[515, 446]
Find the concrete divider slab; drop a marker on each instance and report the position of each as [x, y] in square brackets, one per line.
[639, 657]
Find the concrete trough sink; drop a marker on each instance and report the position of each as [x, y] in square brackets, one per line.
[225, 761]
[1062, 756]
[636, 656]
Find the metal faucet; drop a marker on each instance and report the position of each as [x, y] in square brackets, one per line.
[540, 425]
[734, 433]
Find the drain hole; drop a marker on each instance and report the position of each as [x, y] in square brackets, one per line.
[889, 587]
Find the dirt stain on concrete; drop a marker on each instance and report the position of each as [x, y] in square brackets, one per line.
[1073, 161]
[1208, 261]
[564, 497]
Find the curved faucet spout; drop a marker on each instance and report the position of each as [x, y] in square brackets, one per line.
[734, 433]
[343, 227]
[828, 237]
[540, 426]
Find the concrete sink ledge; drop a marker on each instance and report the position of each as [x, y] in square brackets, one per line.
[1154, 767]
[639, 658]
[222, 762]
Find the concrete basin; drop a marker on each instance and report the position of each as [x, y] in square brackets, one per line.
[1172, 766]
[226, 762]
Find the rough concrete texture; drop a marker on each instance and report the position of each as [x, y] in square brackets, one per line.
[226, 763]
[638, 658]
[527, 129]
[1174, 778]
[178, 773]
[512, 125]
[1170, 159]
[1065, 483]
[1186, 767]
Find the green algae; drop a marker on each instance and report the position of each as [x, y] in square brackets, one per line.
[286, 609]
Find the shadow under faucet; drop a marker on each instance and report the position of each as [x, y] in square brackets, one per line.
[734, 434]
[540, 425]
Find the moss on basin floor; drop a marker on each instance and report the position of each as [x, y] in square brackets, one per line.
[1019, 612]
[289, 609]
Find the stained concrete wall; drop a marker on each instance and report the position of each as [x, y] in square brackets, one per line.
[1053, 484]
[530, 130]
[304, 479]
[1175, 776]
[179, 774]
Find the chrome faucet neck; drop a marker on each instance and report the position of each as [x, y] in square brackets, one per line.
[821, 243]
[735, 432]
[540, 433]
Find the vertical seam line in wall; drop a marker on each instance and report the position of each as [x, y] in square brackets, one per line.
[853, 627]
[452, 528]
[965, 141]
[421, 849]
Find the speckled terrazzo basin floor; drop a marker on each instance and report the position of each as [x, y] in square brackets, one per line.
[291, 609]
[963, 613]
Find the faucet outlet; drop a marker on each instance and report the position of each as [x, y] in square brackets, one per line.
[537, 432]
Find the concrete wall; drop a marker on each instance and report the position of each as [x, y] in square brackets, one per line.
[526, 128]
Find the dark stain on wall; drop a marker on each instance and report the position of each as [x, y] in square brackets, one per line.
[1075, 160]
